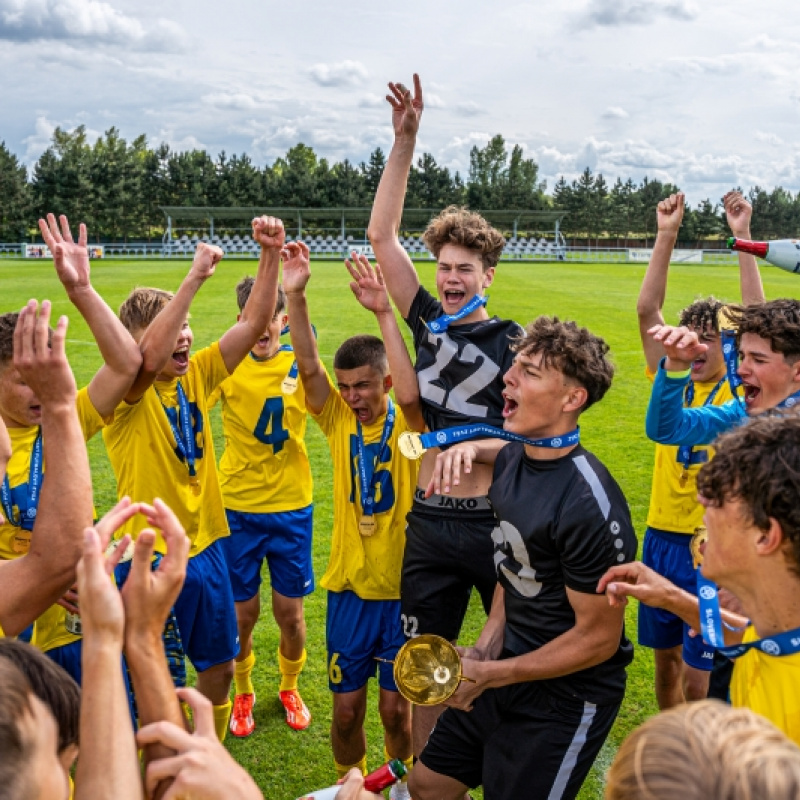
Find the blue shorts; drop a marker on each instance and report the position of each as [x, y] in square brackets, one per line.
[357, 633]
[68, 657]
[669, 555]
[283, 539]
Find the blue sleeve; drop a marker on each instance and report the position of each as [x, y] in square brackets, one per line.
[668, 422]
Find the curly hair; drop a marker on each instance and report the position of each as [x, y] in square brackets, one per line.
[7, 324]
[704, 750]
[758, 464]
[702, 315]
[245, 286]
[458, 225]
[142, 306]
[574, 351]
[778, 321]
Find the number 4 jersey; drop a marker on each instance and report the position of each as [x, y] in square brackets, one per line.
[264, 468]
[460, 372]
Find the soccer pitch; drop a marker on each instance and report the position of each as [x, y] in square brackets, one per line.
[286, 763]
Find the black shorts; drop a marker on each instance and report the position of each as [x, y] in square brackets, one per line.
[449, 550]
[520, 741]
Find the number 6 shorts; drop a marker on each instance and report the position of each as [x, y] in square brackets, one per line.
[357, 633]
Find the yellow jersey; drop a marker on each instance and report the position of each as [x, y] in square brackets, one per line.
[49, 628]
[673, 493]
[143, 452]
[768, 685]
[367, 565]
[264, 468]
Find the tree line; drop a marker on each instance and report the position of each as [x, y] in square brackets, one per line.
[117, 186]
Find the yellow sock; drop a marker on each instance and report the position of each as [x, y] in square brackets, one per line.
[407, 762]
[222, 716]
[290, 670]
[242, 671]
[342, 769]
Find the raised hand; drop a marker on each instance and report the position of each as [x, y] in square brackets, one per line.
[406, 110]
[669, 213]
[269, 232]
[681, 345]
[41, 364]
[738, 213]
[296, 267]
[206, 258]
[367, 284]
[71, 258]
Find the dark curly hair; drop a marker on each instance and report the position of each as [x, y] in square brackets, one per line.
[7, 324]
[574, 351]
[458, 225]
[702, 315]
[758, 464]
[778, 321]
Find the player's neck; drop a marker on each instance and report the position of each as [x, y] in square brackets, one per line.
[478, 315]
[771, 599]
[559, 430]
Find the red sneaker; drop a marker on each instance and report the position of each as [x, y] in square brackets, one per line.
[298, 716]
[242, 722]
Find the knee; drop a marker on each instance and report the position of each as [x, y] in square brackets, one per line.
[348, 718]
[396, 715]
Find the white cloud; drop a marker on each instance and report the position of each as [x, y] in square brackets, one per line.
[615, 13]
[234, 100]
[469, 109]
[371, 101]
[79, 20]
[615, 112]
[343, 73]
[432, 100]
[39, 140]
[768, 138]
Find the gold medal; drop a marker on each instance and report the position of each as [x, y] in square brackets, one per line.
[126, 556]
[21, 542]
[289, 385]
[410, 445]
[698, 540]
[73, 624]
[683, 478]
[366, 525]
[194, 482]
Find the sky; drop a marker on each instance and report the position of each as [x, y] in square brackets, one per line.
[706, 95]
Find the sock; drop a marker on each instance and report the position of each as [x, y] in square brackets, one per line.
[242, 671]
[342, 769]
[290, 670]
[407, 762]
[222, 716]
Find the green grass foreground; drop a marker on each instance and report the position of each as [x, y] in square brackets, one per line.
[287, 764]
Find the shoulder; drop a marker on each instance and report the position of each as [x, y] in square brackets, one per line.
[424, 305]
[594, 488]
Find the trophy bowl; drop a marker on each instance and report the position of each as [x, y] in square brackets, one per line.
[427, 670]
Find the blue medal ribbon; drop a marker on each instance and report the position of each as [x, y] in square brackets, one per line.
[441, 324]
[287, 348]
[183, 432]
[790, 402]
[687, 455]
[365, 478]
[731, 354]
[27, 515]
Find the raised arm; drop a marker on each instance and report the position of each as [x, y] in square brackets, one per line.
[370, 290]
[31, 584]
[669, 215]
[296, 272]
[387, 209]
[120, 352]
[238, 340]
[158, 342]
[738, 213]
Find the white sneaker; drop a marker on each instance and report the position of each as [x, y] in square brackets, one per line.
[399, 791]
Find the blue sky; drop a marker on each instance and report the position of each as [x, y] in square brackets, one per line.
[705, 95]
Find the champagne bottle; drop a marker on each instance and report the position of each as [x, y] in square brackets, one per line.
[391, 772]
[783, 253]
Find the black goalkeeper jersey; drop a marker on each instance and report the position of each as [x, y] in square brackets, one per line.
[460, 371]
[563, 523]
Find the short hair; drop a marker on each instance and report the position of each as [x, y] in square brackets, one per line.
[16, 743]
[8, 322]
[52, 684]
[142, 306]
[702, 315]
[704, 750]
[778, 321]
[245, 286]
[574, 351]
[758, 464]
[362, 351]
[458, 225]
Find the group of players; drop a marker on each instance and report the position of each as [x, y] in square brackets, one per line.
[505, 500]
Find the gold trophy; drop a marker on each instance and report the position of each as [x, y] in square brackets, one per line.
[699, 538]
[427, 670]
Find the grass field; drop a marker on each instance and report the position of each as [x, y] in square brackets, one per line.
[602, 297]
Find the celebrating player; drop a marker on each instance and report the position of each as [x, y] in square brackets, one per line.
[372, 486]
[267, 488]
[160, 446]
[683, 662]
[462, 354]
[547, 674]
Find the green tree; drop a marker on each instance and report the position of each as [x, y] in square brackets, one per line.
[15, 197]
